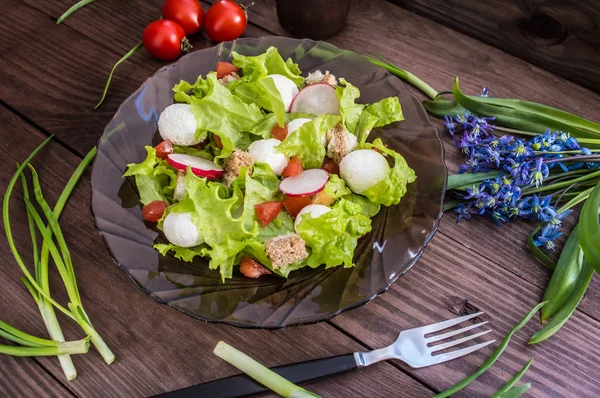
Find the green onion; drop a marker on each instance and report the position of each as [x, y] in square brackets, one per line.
[515, 392]
[495, 355]
[508, 386]
[405, 75]
[72, 9]
[119, 62]
[61, 348]
[590, 228]
[260, 373]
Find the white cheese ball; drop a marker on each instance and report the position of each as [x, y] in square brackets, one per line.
[363, 168]
[178, 125]
[314, 210]
[297, 123]
[350, 142]
[287, 89]
[265, 151]
[180, 230]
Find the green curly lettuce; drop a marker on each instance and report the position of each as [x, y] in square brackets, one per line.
[307, 141]
[387, 111]
[336, 187]
[154, 178]
[350, 111]
[390, 190]
[268, 63]
[333, 236]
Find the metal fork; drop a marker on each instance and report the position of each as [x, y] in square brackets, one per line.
[412, 347]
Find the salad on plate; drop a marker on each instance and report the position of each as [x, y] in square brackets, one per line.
[262, 168]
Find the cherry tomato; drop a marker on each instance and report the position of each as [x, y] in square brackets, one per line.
[252, 269]
[187, 13]
[154, 210]
[225, 21]
[330, 166]
[225, 68]
[295, 204]
[164, 39]
[267, 212]
[279, 132]
[293, 168]
[164, 149]
[218, 141]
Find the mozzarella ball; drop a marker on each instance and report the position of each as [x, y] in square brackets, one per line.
[363, 168]
[265, 151]
[314, 210]
[287, 89]
[178, 125]
[180, 230]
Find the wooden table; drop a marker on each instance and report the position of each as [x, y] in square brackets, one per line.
[52, 76]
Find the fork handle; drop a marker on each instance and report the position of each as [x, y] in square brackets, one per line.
[242, 385]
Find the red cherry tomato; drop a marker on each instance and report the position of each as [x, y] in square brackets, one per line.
[279, 132]
[225, 21]
[164, 39]
[187, 13]
[330, 166]
[293, 168]
[295, 204]
[225, 68]
[267, 212]
[218, 141]
[252, 269]
[154, 210]
[164, 149]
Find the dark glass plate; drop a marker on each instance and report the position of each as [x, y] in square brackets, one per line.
[399, 234]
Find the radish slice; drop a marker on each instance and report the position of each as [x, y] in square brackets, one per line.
[200, 167]
[307, 183]
[318, 99]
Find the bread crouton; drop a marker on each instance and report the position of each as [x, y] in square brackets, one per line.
[322, 199]
[320, 77]
[285, 249]
[234, 163]
[340, 142]
[225, 80]
[180, 188]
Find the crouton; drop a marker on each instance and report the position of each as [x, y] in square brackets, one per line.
[320, 77]
[234, 163]
[341, 142]
[180, 189]
[225, 80]
[322, 199]
[285, 249]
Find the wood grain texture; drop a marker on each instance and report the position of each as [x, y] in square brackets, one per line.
[158, 349]
[557, 35]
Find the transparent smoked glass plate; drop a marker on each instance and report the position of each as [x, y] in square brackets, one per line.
[396, 242]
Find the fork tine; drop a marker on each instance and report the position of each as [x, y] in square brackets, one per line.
[459, 353]
[436, 327]
[445, 336]
[449, 344]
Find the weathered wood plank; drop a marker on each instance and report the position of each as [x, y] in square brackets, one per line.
[447, 274]
[560, 36]
[158, 349]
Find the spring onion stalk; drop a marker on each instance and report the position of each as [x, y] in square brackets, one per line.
[515, 392]
[508, 386]
[495, 355]
[110, 75]
[72, 9]
[405, 75]
[37, 346]
[260, 373]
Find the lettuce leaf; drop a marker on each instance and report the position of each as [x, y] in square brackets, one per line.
[349, 110]
[225, 115]
[333, 236]
[307, 141]
[387, 110]
[262, 93]
[261, 186]
[267, 63]
[336, 187]
[184, 91]
[180, 253]
[154, 178]
[366, 123]
[369, 208]
[390, 190]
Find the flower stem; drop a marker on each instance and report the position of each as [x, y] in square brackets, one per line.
[561, 184]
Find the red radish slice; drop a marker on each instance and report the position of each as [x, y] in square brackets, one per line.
[200, 167]
[318, 99]
[307, 183]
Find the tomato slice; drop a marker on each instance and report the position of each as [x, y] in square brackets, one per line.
[252, 269]
[218, 141]
[293, 168]
[279, 132]
[154, 210]
[164, 149]
[330, 166]
[225, 68]
[267, 212]
[294, 205]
